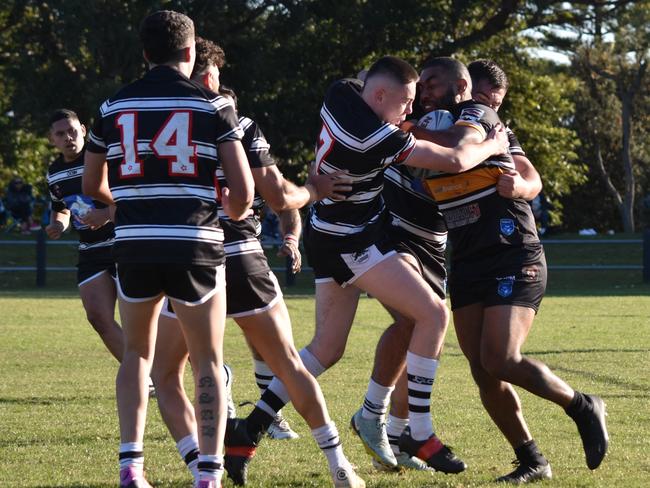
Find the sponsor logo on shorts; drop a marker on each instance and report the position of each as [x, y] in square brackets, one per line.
[361, 257]
[531, 273]
[507, 226]
[461, 216]
[504, 286]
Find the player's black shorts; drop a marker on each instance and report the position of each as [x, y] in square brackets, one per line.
[188, 284]
[93, 262]
[245, 295]
[345, 268]
[505, 276]
[430, 257]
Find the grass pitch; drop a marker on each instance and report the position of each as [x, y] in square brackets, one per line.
[58, 421]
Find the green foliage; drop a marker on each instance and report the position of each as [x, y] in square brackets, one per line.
[281, 56]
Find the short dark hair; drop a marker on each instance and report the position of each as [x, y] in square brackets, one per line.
[62, 113]
[164, 35]
[451, 66]
[486, 69]
[207, 53]
[395, 68]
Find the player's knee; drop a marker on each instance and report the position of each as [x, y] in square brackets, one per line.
[99, 320]
[433, 311]
[498, 365]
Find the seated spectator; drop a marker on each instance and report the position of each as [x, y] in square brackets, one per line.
[19, 202]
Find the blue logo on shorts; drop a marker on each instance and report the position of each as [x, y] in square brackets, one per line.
[507, 226]
[504, 288]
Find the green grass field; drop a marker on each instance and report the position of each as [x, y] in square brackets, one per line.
[58, 421]
[58, 425]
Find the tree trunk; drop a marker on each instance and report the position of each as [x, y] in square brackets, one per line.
[627, 210]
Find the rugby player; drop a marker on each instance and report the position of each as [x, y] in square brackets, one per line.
[255, 302]
[498, 278]
[95, 267]
[420, 234]
[347, 246]
[153, 153]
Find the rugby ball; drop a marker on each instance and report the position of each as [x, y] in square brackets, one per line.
[436, 120]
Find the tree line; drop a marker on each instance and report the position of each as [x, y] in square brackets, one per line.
[582, 121]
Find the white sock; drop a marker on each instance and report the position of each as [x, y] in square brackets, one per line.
[131, 455]
[376, 401]
[210, 468]
[311, 364]
[327, 438]
[263, 375]
[188, 447]
[421, 373]
[394, 428]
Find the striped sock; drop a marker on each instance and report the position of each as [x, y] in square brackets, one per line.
[132, 456]
[376, 401]
[327, 438]
[394, 428]
[188, 447]
[421, 372]
[263, 375]
[210, 468]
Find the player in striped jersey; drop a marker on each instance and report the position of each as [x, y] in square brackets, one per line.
[153, 153]
[96, 267]
[498, 274]
[255, 302]
[346, 241]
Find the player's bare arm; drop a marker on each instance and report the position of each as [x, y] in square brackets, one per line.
[290, 226]
[59, 222]
[94, 182]
[428, 155]
[241, 191]
[522, 182]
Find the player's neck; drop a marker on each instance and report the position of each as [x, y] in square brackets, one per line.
[182, 67]
[70, 159]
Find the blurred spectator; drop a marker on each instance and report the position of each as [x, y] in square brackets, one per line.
[270, 226]
[540, 206]
[3, 213]
[20, 202]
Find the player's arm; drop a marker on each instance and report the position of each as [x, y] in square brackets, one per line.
[59, 221]
[281, 194]
[522, 182]
[238, 197]
[429, 155]
[291, 226]
[94, 181]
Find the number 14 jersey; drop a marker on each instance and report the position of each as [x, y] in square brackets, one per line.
[160, 135]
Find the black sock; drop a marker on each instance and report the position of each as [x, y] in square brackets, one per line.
[578, 405]
[257, 422]
[528, 453]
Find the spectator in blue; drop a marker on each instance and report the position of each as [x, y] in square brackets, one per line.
[20, 202]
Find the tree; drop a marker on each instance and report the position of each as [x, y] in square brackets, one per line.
[611, 54]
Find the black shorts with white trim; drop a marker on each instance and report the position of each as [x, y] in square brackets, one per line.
[504, 275]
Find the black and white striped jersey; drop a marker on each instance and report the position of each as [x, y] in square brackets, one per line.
[243, 249]
[412, 208]
[160, 136]
[64, 184]
[354, 140]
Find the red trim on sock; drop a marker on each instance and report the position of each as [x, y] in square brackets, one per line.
[242, 451]
[429, 448]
